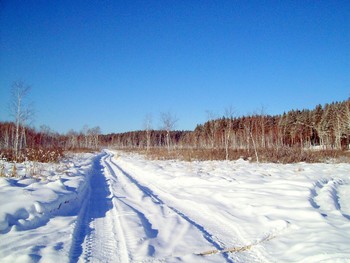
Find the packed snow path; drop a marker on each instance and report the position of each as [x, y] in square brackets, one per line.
[98, 234]
[121, 219]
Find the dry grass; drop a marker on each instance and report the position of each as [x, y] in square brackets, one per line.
[34, 154]
[274, 155]
[81, 150]
[229, 250]
[294, 155]
[43, 155]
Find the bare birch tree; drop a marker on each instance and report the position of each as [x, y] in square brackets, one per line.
[168, 124]
[21, 113]
[229, 112]
[249, 134]
[148, 127]
[94, 135]
[262, 123]
[72, 139]
[85, 133]
[212, 117]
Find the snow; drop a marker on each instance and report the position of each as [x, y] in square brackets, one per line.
[118, 207]
[36, 214]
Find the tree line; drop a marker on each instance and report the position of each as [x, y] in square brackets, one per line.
[52, 142]
[324, 127]
[327, 127]
[19, 141]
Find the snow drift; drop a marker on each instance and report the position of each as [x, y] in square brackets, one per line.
[117, 207]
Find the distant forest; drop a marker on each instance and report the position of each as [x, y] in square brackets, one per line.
[325, 127]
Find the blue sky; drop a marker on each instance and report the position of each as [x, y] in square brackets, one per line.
[110, 63]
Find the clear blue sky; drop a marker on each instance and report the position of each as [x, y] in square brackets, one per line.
[109, 63]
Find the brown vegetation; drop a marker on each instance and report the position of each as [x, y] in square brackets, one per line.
[282, 155]
[296, 136]
[44, 145]
[327, 127]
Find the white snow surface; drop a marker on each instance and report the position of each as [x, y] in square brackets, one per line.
[119, 207]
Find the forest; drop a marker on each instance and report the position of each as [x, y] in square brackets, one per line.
[324, 128]
[327, 127]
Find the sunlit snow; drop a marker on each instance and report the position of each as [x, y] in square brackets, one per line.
[118, 207]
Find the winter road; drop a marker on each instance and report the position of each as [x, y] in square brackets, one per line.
[124, 221]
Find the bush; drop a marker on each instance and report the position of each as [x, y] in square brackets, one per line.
[34, 154]
[44, 155]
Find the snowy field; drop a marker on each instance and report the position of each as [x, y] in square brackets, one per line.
[117, 207]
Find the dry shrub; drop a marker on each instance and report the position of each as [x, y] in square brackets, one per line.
[212, 154]
[297, 154]
[14, 170]
[189, 154]
[44, 155]
[2, 167]
[80, 150]
[274, 155]
[7, 155]
[34, 154]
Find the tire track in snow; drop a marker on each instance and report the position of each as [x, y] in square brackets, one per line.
[98, 236]
[117, 226]
[325, 198]
[147, 226]
[138, 227]
[148, 192]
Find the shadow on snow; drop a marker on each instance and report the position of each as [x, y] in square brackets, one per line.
[97, 204]
[147, 191]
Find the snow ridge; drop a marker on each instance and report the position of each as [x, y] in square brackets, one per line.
[325, 197]
[148, 192]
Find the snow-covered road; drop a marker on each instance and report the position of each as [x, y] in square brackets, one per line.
[125, 221]
[98, 233]
[118, 207]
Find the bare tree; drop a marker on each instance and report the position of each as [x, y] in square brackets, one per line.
[85, 133]
[6, 144]
[249, 134]
[148, 127]
[91, 136]
[262, 121]
[347, 114]
[72, 139]
[21, 112]
[213, 124]
[94, 134]
[168, 124]
[229, 112]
